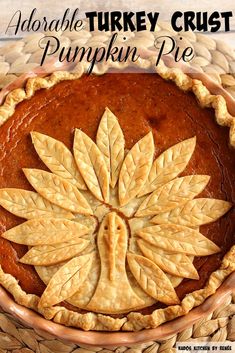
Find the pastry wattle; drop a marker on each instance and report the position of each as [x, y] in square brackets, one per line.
[116, 197]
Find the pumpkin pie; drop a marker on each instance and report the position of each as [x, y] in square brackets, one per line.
[116, 197]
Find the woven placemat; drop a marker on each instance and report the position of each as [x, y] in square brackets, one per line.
[217, 327]
[214, 57]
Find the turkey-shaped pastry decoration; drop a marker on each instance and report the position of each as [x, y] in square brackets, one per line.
[111, 230]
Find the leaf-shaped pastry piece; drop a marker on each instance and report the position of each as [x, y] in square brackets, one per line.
[58, 158]
[152, 279]
[180, 239]
[47, 272]
[66, 281]
[172, 194]
[46, 255]
[45, 231]
[135, 169]
[28, 204]
[110, 141]
[175, 264]
[91, 165]
[58, 191]
[169, 165]
[195, 212]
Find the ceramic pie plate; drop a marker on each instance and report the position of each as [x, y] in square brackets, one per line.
[111, 339]
[30, 318]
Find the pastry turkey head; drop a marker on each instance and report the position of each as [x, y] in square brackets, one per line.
[112, 242]
[112, 245]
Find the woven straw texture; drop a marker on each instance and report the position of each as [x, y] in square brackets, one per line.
[213, 57]
[217, 327]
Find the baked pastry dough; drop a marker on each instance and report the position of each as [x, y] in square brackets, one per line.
[120, 265]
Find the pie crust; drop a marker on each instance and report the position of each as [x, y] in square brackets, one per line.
[167, 204]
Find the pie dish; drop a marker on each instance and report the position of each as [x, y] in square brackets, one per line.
[122, 218]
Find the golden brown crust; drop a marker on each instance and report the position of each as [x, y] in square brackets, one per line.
[134, 321]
